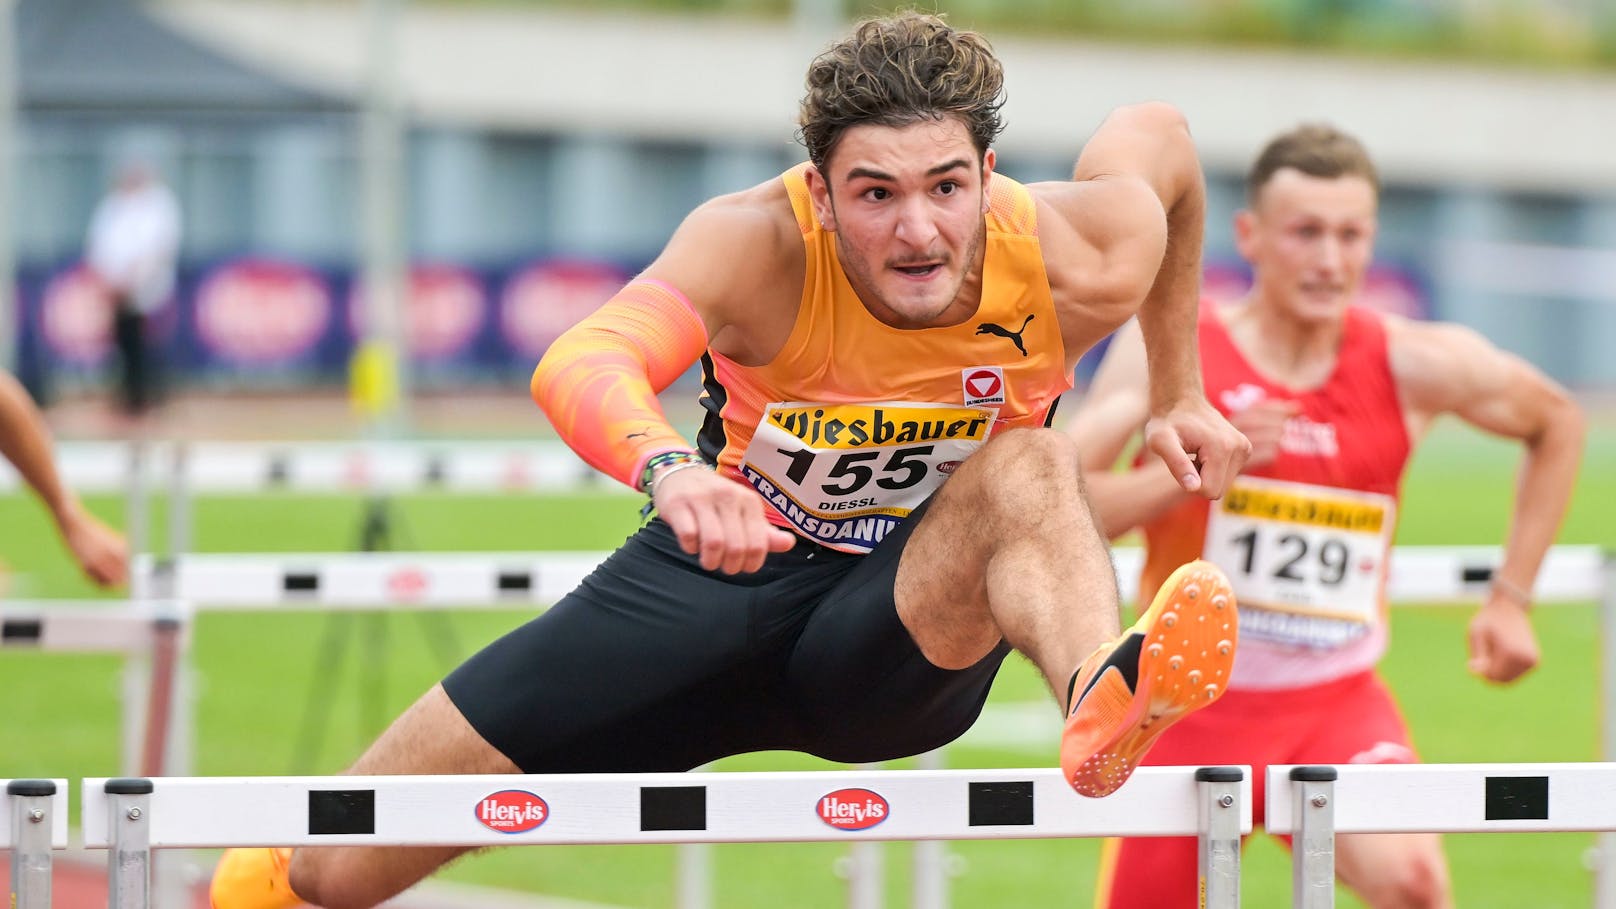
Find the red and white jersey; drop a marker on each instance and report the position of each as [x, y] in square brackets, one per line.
[1304, 539]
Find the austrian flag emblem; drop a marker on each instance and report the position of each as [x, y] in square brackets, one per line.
[983, 385]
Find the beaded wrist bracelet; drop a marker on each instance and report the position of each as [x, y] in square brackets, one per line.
[664, 461]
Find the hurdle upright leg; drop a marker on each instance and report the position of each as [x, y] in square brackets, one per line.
[129, 858]
[31, 826]
[1218, 862]
[1605, 850]
[1313, 844]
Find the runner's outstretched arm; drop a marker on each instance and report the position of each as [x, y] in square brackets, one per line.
[26, 443]
[1150, 146]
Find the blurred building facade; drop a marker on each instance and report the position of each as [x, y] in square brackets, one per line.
[551, 154]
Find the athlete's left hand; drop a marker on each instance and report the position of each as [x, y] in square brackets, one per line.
[1502, 645]
[1202, 449]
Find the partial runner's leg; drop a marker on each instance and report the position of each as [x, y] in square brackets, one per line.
[431, 737]
[1010, 549]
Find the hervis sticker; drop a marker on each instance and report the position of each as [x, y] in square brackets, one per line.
[853, 809]
[512, 811]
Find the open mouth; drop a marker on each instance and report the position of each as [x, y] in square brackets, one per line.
[918, 271]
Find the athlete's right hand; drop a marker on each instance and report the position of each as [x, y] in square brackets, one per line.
[1264, 425]
[720, 520]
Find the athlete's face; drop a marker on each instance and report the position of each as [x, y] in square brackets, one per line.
[906, 204]
[1309, 241]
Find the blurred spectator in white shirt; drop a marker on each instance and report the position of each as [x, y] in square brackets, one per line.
[132, 247]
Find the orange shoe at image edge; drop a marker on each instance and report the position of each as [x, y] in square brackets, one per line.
[1175, 659]
[252, 879]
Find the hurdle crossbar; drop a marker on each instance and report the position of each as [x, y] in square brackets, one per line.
[321, 467]
[1457, 798]
[129, 627]
[1450, 574]
[1425, 574]
[753, 807]
[364, 580]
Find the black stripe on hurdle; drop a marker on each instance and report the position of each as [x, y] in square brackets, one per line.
[278, 471]
[300, 582]
[436, 472]
[673, 808]
[16, 631]
[1003, 804]
[1517, 798]
[342, 811]
[1476, 574]
[515, 581]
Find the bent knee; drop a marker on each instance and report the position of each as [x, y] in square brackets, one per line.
[1421, 882]
[1028, 459]
[318, 883]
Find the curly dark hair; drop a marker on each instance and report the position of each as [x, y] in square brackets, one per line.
[900, 69]
[1315, 149]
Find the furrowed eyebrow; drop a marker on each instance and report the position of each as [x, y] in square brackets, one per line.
[955, 164]
[869, 174]
[872, 174]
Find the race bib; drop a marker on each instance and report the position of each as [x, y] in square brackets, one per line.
[1306, 562]
[845, 475]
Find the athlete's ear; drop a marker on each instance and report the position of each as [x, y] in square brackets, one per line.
[988, 160]
[1245, 234]
[819, 195]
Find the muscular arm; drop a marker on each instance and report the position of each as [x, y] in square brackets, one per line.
[1444, 368]
[26, 443]
[1149, 145]
[598, 383]
[1112, 412]
[1141, 201]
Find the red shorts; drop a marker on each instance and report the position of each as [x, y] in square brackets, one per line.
[1351, 720]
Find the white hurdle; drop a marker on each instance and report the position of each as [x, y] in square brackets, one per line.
[154, 631]
[36, 813]
[526, 580]
[130, 817]
[357, 466]
[364, 580]
[1316, 803]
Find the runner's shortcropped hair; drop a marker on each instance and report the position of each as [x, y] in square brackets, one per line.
[1315, 149]
[897, 70]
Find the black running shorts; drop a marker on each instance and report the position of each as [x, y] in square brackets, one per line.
[654, 664]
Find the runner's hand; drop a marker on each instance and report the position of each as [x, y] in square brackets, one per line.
[1263, 424]
[1502, 645]
[1202, 449]
[100, 550]
[720, 520]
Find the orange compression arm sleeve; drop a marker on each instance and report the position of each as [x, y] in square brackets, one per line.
[598, 382]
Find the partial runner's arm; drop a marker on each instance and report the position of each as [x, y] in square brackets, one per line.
[1445, 368]
[1111, 413]
[1147, 181]
[598, 383]
[25, 442]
